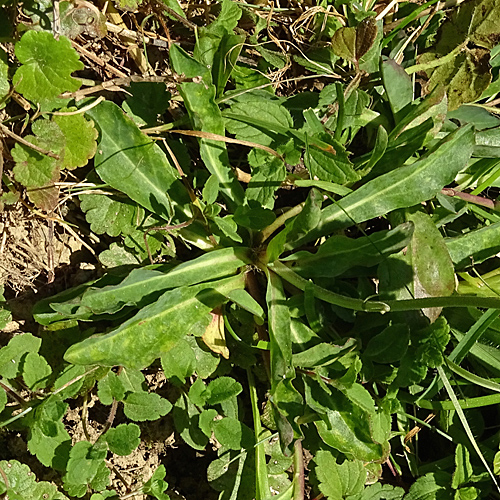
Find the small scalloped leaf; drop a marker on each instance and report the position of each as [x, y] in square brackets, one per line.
[47, 65]
[81, 139]
[23, 483]
[37, 171]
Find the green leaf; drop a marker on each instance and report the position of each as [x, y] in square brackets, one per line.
[141, 406]
[107, 214]
[186, 420]
[155, 485]
[233, 434]
[344, 43]
[221, 389]
[36, 371]
[397, 84]
[474, 247]
[47, 65]
[463, 467]
[228, 227]
[338, 481]
[206, 360]
[123, 439]
[270, 113]
[23, 484]
[47, 437]
[340, 253]
[83, 466]
[110, 387]
[4, 78]
[37, 171]
[148, 100]
[254, 216]
[211, 190]
[390, 345]
[142, 282]
[268, 172]
[247, 302]
[11, 355]
[380, 491]
[205, 115]
[179, 363]
[406, 186]
[432, 485]
[433, 271]
[80, 136]
[132, 163]
[345, 425]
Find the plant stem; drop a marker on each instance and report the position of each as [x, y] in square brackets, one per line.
[279, 221]
[298, 471]
[436, 62]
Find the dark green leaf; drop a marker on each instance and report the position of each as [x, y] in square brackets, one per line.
[141, 406]
[123, 439]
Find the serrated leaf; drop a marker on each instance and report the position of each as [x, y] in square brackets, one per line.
[221, 389]
[228, 227]
[36, 371]
[132, 163]
[338, 481]
[432, 485]
[141, 406]
[12, 353]
[83, 465]
[37, 171]
[47, 65]
[156, 485]
[123, 439]
[380, 491]
[110, 387]
[47, 437]
[80, 136]
[23, 484]
[118, 255]
[107, 214]
[156, 328]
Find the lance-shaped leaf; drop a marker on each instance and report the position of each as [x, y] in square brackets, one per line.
[404, 187]
[156, 328]
[129, 161]
[142, 282]
[475, 246]
[205, 115]
[340, 253]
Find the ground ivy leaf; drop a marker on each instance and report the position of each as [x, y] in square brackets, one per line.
[141, 406]
[47, 65]
[432, 485]
[47, 437]
[83, 465]
[338, 481]
[156, 485]
[80, 135]
[35, 371]
[206, 360]
[186, 418]
[206, 421]
[23, 484]
[37, 171]
[108, 214]
[11, 354]
[222, 389]
[123, 439]
[233, 434]
[110, 387]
